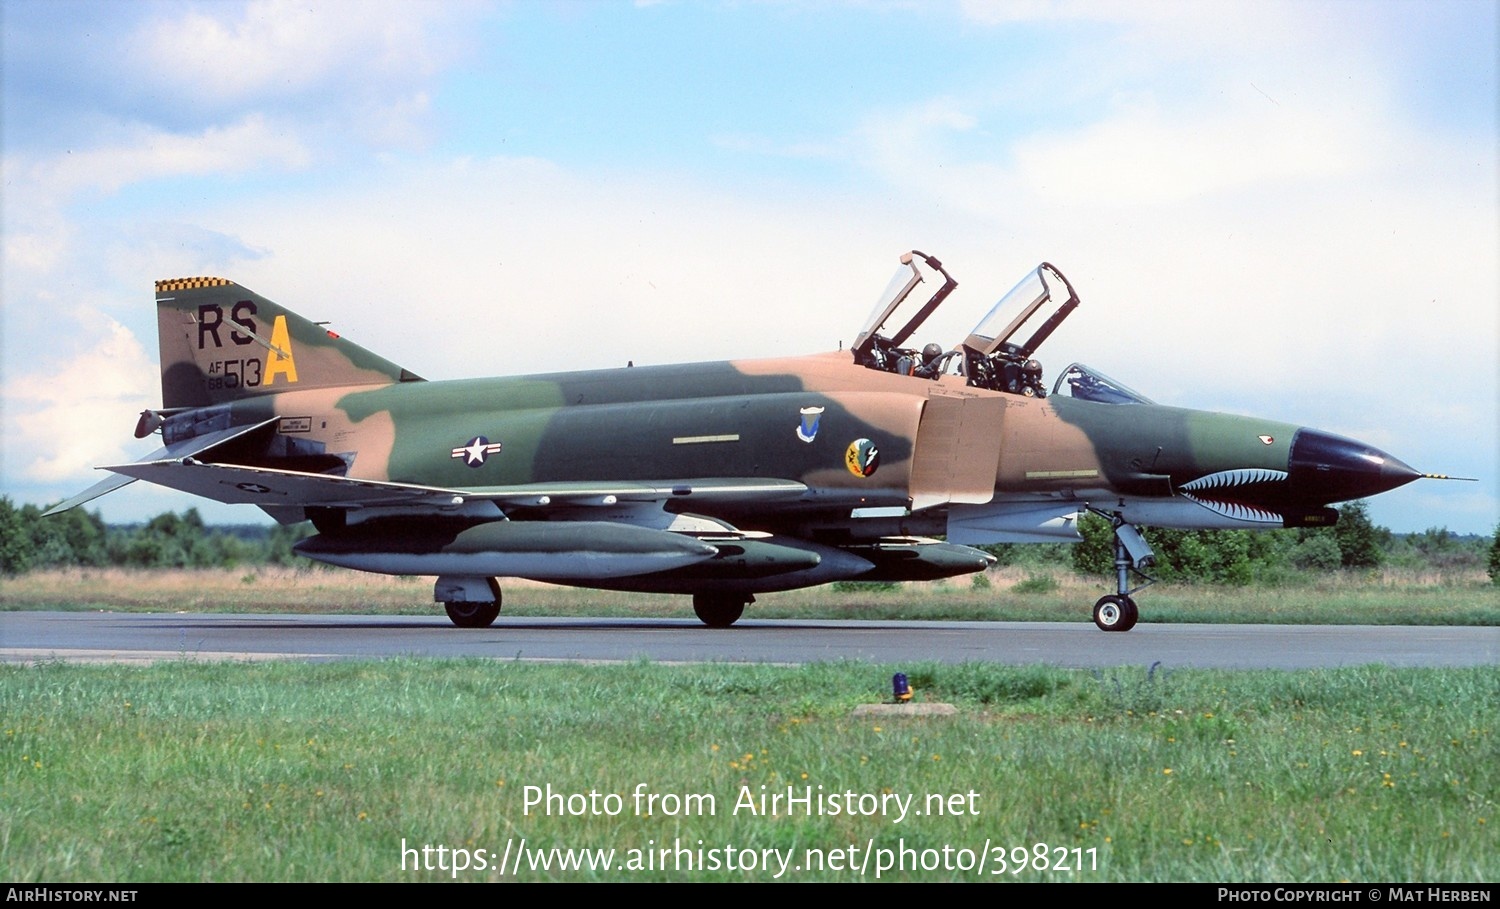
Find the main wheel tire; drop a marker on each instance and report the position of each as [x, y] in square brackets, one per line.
[1115, 613]
[718, 610]
[473, 615]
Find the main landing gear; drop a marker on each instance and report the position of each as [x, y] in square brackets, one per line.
[469, 602]
[720, 610]
[1117, 611]
[473, 615]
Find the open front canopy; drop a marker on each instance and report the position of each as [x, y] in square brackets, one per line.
[1041, 286]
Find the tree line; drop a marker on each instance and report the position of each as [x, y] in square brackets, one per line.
[1236, 557]
[1242, 556]
[170, 540]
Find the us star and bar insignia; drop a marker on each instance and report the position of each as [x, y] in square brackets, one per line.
[476, 451]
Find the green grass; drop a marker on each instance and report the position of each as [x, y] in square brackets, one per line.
[283, 771]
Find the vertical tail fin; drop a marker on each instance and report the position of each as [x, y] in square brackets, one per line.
[221, 342]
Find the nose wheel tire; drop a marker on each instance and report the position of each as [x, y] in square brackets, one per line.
[1115, 613]
[717, 610]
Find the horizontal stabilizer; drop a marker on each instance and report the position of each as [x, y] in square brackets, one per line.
[106, 485]
[174, 452]
[237, 485]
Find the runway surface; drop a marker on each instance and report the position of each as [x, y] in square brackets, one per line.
[148, 637]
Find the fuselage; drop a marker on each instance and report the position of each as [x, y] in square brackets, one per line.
[859, 439]
[720, 480]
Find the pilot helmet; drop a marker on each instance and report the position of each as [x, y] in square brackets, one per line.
[1032, 368]
[932, 352]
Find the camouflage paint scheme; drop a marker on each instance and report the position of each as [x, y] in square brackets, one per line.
[719, 480]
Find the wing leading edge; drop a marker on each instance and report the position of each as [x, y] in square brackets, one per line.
[237, 484]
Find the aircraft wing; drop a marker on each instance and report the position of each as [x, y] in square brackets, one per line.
[244, 485]
[717, 490]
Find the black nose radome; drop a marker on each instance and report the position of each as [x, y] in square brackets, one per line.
[1326, 468]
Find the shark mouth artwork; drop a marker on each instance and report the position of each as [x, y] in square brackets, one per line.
[1217, 492]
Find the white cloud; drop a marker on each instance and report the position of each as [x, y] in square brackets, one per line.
[277, 48]
[1146, 157]
[37, 246]
[69, 417]
[39, 228]
[217, 89]
[517, 265]
[150, 154]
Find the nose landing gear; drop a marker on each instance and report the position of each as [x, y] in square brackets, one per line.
[1117, 611]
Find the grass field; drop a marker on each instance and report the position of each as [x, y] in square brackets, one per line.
[229, 772]
[442, 770]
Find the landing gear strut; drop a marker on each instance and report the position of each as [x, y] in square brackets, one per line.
[720, 610]
[1117, 611]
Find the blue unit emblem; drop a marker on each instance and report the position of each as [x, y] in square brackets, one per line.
[811, 417]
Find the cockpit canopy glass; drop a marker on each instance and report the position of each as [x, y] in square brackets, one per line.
[1081, 382]
[1040, 285]
[988, 358]
[882, 329]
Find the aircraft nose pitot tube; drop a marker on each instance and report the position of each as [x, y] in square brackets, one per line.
[1325, 468]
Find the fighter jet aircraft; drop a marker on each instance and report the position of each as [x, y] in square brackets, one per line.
[719, 480]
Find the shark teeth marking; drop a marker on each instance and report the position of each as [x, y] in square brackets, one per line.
[1239, 512]
[1243, 476]
[1225, 480]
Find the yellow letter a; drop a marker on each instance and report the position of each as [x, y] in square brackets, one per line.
[280, 360]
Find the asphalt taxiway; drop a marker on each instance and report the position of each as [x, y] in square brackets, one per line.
[148, 637]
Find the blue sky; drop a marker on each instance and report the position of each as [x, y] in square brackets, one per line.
[1288, 209]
